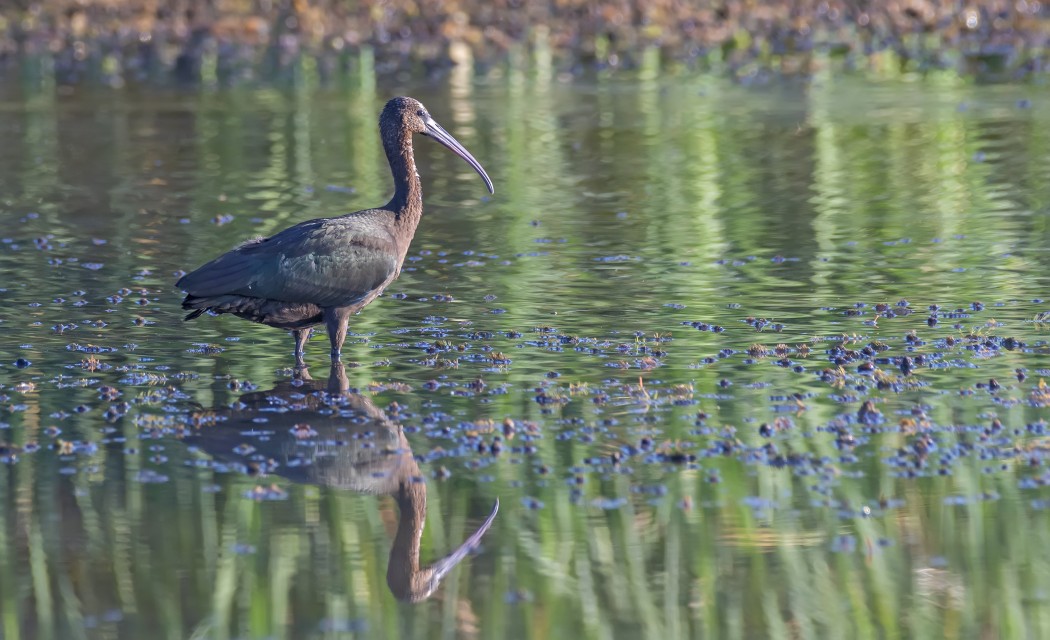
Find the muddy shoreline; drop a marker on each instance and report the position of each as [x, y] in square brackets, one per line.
[231, 42]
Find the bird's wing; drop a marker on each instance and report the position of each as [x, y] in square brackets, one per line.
[329, 262]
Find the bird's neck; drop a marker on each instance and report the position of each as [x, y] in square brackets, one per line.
[403, 572]
[407, 203]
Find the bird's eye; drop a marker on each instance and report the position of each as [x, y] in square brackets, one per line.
[421, 113]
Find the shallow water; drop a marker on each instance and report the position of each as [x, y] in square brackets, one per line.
[595, 346]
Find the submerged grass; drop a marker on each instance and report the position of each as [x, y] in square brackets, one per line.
[687, 574]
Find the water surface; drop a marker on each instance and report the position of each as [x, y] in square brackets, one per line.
[672, 346]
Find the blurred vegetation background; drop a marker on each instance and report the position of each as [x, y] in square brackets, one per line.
[324, 41]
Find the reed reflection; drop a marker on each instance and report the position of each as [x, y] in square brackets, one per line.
[316, 432]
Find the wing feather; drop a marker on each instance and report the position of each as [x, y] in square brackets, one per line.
[328, 262]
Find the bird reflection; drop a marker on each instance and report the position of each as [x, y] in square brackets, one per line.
[318, 433]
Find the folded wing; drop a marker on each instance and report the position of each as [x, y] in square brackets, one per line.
[324, 262]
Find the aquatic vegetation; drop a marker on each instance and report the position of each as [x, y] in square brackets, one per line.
[749, 418]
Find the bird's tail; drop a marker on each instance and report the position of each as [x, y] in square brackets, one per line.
[198, 305]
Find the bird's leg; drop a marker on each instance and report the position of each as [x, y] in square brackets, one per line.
[335, 320]
[337, 380]
[301, 336]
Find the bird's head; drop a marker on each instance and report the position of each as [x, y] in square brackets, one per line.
[408, 114]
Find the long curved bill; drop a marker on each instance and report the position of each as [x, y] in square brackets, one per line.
[437, 132]
[446, 564]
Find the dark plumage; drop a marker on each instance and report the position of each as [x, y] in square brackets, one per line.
[327, 269]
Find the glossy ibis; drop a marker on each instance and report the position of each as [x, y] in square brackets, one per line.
[324, 270]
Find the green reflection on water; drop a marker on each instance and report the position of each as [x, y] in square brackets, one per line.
[613, 202]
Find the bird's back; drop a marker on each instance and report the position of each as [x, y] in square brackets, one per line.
[328, 262]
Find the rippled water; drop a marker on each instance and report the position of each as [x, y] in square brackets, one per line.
[672, 346]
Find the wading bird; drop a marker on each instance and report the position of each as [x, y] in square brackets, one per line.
[327, 269]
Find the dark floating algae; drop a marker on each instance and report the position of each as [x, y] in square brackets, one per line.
[851, 368]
